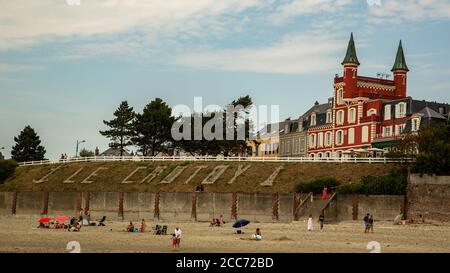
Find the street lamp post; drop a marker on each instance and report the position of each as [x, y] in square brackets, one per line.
[78, 143]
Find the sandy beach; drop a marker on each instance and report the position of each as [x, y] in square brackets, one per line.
[20, 234]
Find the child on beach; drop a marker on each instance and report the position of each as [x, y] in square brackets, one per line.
[310, 223]
[174, 241]
[366, 223]
[321, 221]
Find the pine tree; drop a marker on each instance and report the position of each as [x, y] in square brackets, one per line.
[121, 127]
[153, 127]
[27, 146]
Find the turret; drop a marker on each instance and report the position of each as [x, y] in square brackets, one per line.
[400, 70]
[350, 64]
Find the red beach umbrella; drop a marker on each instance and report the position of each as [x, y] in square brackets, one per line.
[62, 219]
[44, 220]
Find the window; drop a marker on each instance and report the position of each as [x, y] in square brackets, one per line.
[339, 137]
[399, 129]
[352, 115]
[302, 145]
[329, 116]
[400, 110]
[328, 139]
[320, 140]
[313, 119]
[340, 96]
[387, 112]
[372, 111]
[365, 134]
[415, 124]
[351, 135]
[340, 117]
[387, 131]
[312, 141]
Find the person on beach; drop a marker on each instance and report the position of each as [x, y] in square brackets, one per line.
[370, 228]
[178, 236]
[366, 223]
[258, 235]
[221, 221]
[310, 223]
[321, 221]
[130, 227]
[174, 241]
[143, 225]
[325, 193]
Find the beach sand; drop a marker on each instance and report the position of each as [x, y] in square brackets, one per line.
[19, 234]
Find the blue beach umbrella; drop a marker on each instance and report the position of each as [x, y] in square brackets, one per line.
[241, 223]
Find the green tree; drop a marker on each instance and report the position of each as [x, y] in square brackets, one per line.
[28, 146]
[434, 150]
[7, 168]
[152, 128]
[86, 153]
[120, 128]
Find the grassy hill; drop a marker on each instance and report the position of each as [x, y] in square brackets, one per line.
[111, 178]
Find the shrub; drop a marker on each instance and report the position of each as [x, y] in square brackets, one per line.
[394, 183]
[316, 186]
[7, 168]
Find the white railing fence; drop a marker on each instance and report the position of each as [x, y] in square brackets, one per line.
[219, 158]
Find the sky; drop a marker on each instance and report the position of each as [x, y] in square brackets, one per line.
[65, 65]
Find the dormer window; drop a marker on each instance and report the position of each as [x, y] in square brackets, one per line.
[400, 110]
[329, 116]
[313, 119]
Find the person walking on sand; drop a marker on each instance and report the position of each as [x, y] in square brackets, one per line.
[310, 223]
[366, 223]
[370, 228]
[178, 236]
[321, 221]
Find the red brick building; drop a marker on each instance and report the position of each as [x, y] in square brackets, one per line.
[367, 111]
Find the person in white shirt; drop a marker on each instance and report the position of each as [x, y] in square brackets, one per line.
[310, 223]
[178, 236]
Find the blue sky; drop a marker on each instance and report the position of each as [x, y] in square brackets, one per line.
[65, 68]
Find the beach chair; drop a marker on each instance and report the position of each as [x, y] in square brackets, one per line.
[164, 230]
[157, 230]
[101, 223]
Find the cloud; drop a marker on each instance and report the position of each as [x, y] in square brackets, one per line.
[398, 11]
[9, 67]
[304, 53]
[27, 23]
[295, 8]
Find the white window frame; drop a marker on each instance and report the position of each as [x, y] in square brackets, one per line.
[340, 141]
[320, 139]
[365, 134]
[340, 117]
[313, 119]
[329, 116]
[351, 135]
[387, 112]
[399, 112]
[352, 115]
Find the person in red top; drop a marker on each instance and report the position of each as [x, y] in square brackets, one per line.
[324, 193]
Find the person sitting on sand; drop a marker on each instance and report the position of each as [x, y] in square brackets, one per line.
[257, 236]
[213, 222]
[130, 227]
[221, 221]
[75, 227]
[143, 225]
